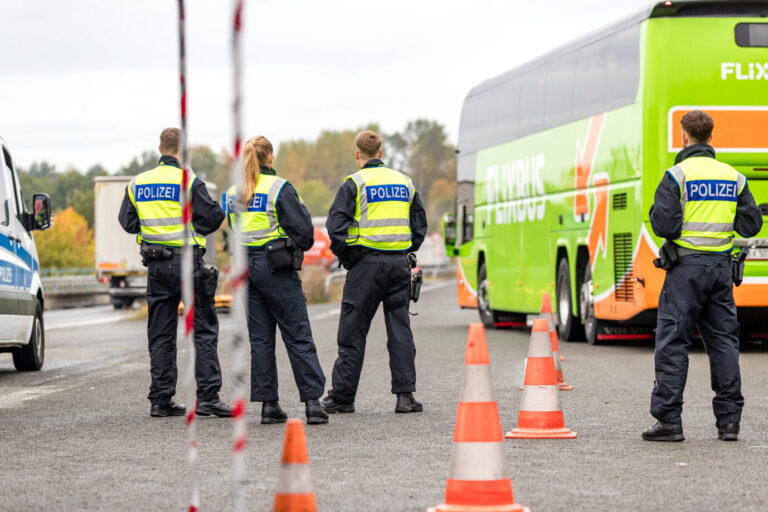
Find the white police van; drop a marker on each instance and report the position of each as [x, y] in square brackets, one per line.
[21, 293]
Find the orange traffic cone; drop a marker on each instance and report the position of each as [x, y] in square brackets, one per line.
[477, 480]
[541, 416]
[546, 313]
[294, 485]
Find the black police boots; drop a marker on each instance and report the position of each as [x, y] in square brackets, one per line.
[272, 413]
[331, 406]
[169, 409]
[406, 403]
[315, 413]
[730, 432]
[214, 408]
[664, 432]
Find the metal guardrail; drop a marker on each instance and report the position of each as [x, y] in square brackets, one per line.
[71, 281]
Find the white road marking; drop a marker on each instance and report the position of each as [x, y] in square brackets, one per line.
[95, 321]
[327, 314]
[17, 397]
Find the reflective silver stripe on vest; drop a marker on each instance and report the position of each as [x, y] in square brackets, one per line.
[170, 221]
[741, 180]
[376, 223]
[176, 236]
[260, 234]
[677, 172]
[387, 238]
[132, 184]
[706, 242]
[714, 227]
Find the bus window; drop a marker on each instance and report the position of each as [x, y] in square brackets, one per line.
[752, 34]
[559, 97]
[622, 59]
[506, 118]
[589, 83]
[530, 119]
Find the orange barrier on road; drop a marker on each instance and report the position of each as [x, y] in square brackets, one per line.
[541, 415]
[294, 485]
[478, 480]
[546, 313]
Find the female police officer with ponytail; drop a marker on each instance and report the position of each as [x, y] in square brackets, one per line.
[275, 225]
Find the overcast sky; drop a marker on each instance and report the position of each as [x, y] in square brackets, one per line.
[94, 81]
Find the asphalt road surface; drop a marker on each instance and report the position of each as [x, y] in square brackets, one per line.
[78, 435]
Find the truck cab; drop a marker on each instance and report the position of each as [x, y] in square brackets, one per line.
[21, 296]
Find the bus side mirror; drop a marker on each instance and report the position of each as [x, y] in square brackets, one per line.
[42, 215]
[449, 234]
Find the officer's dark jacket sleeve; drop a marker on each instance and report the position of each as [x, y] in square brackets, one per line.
[667, 212]
[749, 218]
[128, 216]
[207, 215]
[341, 216]
[294, 217]
[418, 222]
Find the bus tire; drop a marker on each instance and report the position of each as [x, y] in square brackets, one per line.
[30, 357]
[592, 326]
[487, 315]
[569, 327]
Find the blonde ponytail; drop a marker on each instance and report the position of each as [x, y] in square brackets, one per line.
[255, 153]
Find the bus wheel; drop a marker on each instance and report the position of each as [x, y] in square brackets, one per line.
[487, 316]
[568, 326]
[592, 326]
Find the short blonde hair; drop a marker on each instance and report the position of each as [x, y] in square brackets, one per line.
[368, 143]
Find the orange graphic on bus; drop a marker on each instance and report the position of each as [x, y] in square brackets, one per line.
[585, 161]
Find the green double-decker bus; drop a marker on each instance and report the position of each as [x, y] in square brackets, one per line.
[559, 160]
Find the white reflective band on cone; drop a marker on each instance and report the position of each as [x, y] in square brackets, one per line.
[477, 384]
[540, 399]
[478, 461]
[294, 479]
[540, 345]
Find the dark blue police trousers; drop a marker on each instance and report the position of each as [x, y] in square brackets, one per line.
[276, 299]
[698, 291]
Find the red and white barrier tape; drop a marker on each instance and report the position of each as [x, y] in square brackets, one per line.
[187, 278]
[239, 276]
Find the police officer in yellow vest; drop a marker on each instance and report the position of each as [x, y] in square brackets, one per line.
[375, 220]
[275, 227]
[151, 208]
[698, 205]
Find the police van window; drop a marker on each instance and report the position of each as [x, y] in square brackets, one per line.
[752, 35]
[15, 205]
[4, 196]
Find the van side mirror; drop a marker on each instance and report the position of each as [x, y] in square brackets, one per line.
[42, 216]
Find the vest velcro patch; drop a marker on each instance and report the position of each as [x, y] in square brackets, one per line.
[258, 203]
[712, 190]
[379, 193]
[157, 192]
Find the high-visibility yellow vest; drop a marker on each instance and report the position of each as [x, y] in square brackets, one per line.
[709, 192]
[382, 214]
[258, 223]
[156, 195]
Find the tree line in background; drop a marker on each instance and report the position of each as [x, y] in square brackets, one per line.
[316, 168]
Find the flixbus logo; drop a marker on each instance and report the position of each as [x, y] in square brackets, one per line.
[741, 71]
[516, 190]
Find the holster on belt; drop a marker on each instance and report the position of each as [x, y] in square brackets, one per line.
[417, 277]
[737, 265]
[152, 252]
[284, 254]
[668, 256]
[209, 278]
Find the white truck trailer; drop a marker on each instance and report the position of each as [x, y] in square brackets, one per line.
[118, 261]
